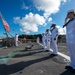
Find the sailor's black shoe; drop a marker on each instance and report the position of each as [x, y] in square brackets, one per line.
[47, 50]
[73, 70]
[68, 67]
[54, 54]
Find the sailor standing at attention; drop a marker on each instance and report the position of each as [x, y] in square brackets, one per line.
[16, 40]
[70, 38]
[46, 41]
[38, 40]
[48, 38]
[54, 33]
[43, 40]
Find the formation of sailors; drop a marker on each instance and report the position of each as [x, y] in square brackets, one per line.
[70, 38]
[51, 35]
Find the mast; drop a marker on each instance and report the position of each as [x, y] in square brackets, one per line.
[6, 31]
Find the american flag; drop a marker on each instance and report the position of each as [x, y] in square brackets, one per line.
[6, 25]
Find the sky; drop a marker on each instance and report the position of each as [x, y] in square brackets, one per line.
[34, 16]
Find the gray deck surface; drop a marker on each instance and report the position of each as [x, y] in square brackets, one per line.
[35, 61]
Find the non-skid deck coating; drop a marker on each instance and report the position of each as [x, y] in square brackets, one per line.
[35, 61]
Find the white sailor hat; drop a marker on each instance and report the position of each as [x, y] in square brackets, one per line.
[72, 10]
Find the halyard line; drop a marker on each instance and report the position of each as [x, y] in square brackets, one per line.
[59, 53]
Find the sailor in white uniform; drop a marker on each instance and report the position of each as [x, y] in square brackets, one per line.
[38, 40]
[44, 40]
[48, 39]
[16, 40]
[70, 38]
[54, 33]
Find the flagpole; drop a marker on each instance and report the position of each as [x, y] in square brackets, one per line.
[3, 25]
[5, 29]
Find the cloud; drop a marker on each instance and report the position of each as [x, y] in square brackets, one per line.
[24, 6]
[49, 19]
[62, 31]
[16, 20]
[30, 22]
[64, 0]
[48, 6]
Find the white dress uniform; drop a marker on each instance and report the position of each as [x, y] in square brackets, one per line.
[48, 38]
[44, 40]
[38, 40]
[54, 33]
[16, 39]
[70, 39]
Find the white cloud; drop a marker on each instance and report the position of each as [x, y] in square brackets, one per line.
[64, 0]
[48, 6]
[24, 6]
[30, 22]
[62, 31]
[49, 19]
[17, 20]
